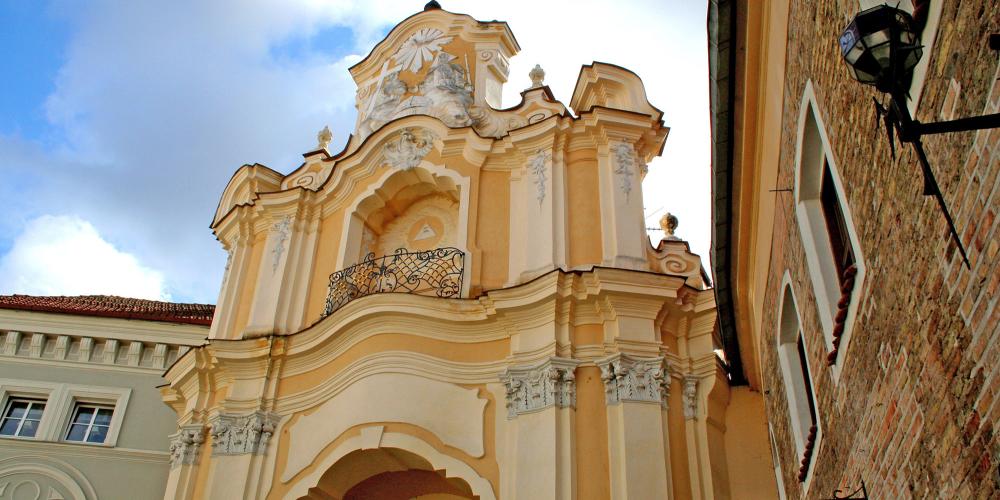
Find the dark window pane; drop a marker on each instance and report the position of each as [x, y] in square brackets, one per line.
[76, 432]
[17, 409]
[103, 416]
[84, 415]
[97, 434]
[836, 224]
[29, 428]
[805, 377]
[35, 412]
[9, 427]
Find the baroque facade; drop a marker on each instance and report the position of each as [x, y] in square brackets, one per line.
[80, 408]
[463, 303]
[838, 284]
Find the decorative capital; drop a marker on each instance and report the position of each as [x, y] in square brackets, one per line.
[533, 388]
[242, 434]
[537, 75]
[185, 445]
[409, 148]
[690, 397]
[632, 378]
[323, 138]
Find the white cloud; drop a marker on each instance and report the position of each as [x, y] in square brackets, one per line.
[65, 255]
[159, 106]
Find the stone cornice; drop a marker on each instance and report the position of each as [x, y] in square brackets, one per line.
[105, 328]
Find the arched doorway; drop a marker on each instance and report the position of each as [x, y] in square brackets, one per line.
[387, 474]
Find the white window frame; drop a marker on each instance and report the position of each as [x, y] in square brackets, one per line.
[811, 153]
[779, 478]
[18, 389]
[31, 402]
[61, 401]
[97, 407]
[789, 377]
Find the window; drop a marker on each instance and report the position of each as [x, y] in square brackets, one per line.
[833, 256]
[795, 373]
[22, 417]
[90, 423]
[58, 412]
[836, 227]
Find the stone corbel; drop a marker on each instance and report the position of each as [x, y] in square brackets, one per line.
[533, 388]
[185, 445]
[242, 434]
[632, 378]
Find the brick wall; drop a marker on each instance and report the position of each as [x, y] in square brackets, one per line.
[914, 410]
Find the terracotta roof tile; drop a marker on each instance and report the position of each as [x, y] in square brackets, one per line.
[113, 306]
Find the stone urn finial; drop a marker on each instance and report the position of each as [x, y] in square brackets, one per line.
[324, 137]
[669, 224]
[537, 75]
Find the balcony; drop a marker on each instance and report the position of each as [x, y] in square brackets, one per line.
[436, 273]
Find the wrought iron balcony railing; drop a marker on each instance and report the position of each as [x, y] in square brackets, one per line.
[435, 272]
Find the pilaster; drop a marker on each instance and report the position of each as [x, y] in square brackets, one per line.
[540, 440]
[636, 392]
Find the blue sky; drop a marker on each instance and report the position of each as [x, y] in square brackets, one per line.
[121, 122]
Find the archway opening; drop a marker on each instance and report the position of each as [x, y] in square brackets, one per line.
[387, 474]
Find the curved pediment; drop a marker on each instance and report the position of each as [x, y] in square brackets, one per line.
[245, 185]
[611, 86]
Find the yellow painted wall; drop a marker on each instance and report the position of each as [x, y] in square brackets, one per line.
[583, 208]
[751, 473]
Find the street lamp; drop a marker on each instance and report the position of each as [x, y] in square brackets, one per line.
[882, 47]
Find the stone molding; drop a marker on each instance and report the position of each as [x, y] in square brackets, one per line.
[633, 378]
[242, 434]
[534, 388]
[185, 445]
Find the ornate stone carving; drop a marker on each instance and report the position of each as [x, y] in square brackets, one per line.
[409, 148]
[537, 167]
[420, 48]
[242, 434]
[625, 166]
[281, 230]
[537, 75]
[185, 445]
[690, 396]
[489, 122]
[534, 388]
[631, 378]
[323, 138]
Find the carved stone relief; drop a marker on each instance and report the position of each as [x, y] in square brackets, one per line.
[185, 445]
[630, 378]
[281, 230]
[534, 388]
[538, 168]
[242, 434]
[409, 148]
[624, 166]
[690, 397]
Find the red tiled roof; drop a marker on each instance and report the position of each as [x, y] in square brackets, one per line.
[113, 307]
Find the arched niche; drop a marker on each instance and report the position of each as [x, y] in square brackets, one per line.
[363, 467]
[419, 209]
[387, 474]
